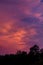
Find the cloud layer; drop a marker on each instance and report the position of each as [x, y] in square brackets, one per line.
[21, 25]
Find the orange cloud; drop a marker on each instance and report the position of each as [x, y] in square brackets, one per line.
[16, 40]
[5, 27]
[18, 35]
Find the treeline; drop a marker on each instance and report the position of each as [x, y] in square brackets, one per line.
[34, 57]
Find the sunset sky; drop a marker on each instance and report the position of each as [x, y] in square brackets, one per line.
[21, 25]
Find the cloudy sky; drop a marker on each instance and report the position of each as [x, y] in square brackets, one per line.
[21, 25]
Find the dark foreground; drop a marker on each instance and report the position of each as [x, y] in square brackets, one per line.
[34, 57]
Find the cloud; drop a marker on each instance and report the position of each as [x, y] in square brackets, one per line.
[21, 24]
[41, 0]
[30, 20]
[18, 39]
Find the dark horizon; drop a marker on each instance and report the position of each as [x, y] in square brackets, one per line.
[34, 57]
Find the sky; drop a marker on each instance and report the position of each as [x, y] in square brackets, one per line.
[21, 25]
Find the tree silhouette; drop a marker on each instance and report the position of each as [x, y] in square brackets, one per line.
[34, 54]
[19, 52]
[34, 50]
[34, 57]
[41, 50]
[41, 53]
